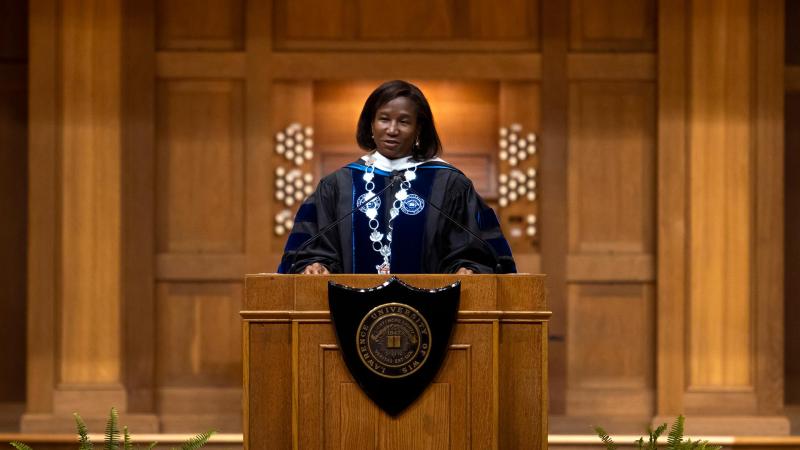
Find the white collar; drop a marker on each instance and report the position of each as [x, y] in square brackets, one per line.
[390, 165]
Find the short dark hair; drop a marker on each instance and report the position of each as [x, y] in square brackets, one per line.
[429, 144]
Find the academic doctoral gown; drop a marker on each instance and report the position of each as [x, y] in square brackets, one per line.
[423, 239]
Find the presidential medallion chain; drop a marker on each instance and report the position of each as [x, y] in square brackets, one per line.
[369, 204]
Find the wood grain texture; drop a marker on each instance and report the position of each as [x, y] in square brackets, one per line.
[769, 205]
[611, 66]
[721, 177]
[611, 167]
[91, 197]
[138, 194]
[612, 25]
[43, 201]
[199, 168]
[348, 25]
[465, 65]
[672, 203]
[193, 25]
[204, 350]
[611, 334]
[553, 175]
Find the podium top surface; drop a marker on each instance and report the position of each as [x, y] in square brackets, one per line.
[512, 292]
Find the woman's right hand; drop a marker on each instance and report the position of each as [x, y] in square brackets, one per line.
[316, 269]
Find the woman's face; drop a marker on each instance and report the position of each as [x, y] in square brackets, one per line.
[395, 129]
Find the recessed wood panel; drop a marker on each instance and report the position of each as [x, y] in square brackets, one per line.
[198, 335]
[611, 336]
[504, 19]
[200, 167]
[611, 173]
[199, 25]
[412, 24]
[410, 19]
[314, 19]
[612, 24]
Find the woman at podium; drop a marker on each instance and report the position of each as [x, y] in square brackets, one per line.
[399, 208]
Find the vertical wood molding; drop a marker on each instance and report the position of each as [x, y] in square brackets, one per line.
[769, 208]
[553, 170]
[672, 203]
[43, 205]
[138, 209]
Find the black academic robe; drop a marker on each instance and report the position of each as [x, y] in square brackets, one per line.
[423, 239]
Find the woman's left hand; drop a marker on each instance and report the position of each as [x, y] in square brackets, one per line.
[464, 271]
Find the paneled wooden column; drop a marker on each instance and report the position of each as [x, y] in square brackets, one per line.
[720, 215]
[76, 329]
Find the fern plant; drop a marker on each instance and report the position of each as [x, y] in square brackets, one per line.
[674, 439]
[113, 438]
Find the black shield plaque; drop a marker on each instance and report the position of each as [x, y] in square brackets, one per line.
[393, 337]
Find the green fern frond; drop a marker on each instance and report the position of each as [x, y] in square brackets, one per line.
[19, 446]
[640, 444]
[197, 441]
[83, 433]
[126, 439]
[152, 446]
[601, 433]
[676, 434]
[111, 441]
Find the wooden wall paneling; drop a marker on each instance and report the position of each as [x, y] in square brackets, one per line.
[612, 25]
[721, 220]
[200, 167]
[204, 25]
[520, 102]
[769, 203]
[91, 196]
[258, 140]
[138, 195]
[720, 329]
[505, 20]
[43, 207]
[792, 248]
[672, 203]
[417, 65]
[410, 20]
[331, 20]
[292, 102]
[14, 200]
[611, 368]
[553, 175]
[611, 168]
[199, 362]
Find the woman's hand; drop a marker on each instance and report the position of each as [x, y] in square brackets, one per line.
[316, 269]
[464, 271]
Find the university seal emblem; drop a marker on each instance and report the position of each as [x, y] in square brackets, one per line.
[393, 337]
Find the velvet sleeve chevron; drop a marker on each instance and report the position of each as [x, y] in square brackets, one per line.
[464, 250]
[313, 215]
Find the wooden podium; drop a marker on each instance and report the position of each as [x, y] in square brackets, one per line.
[490, 393]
